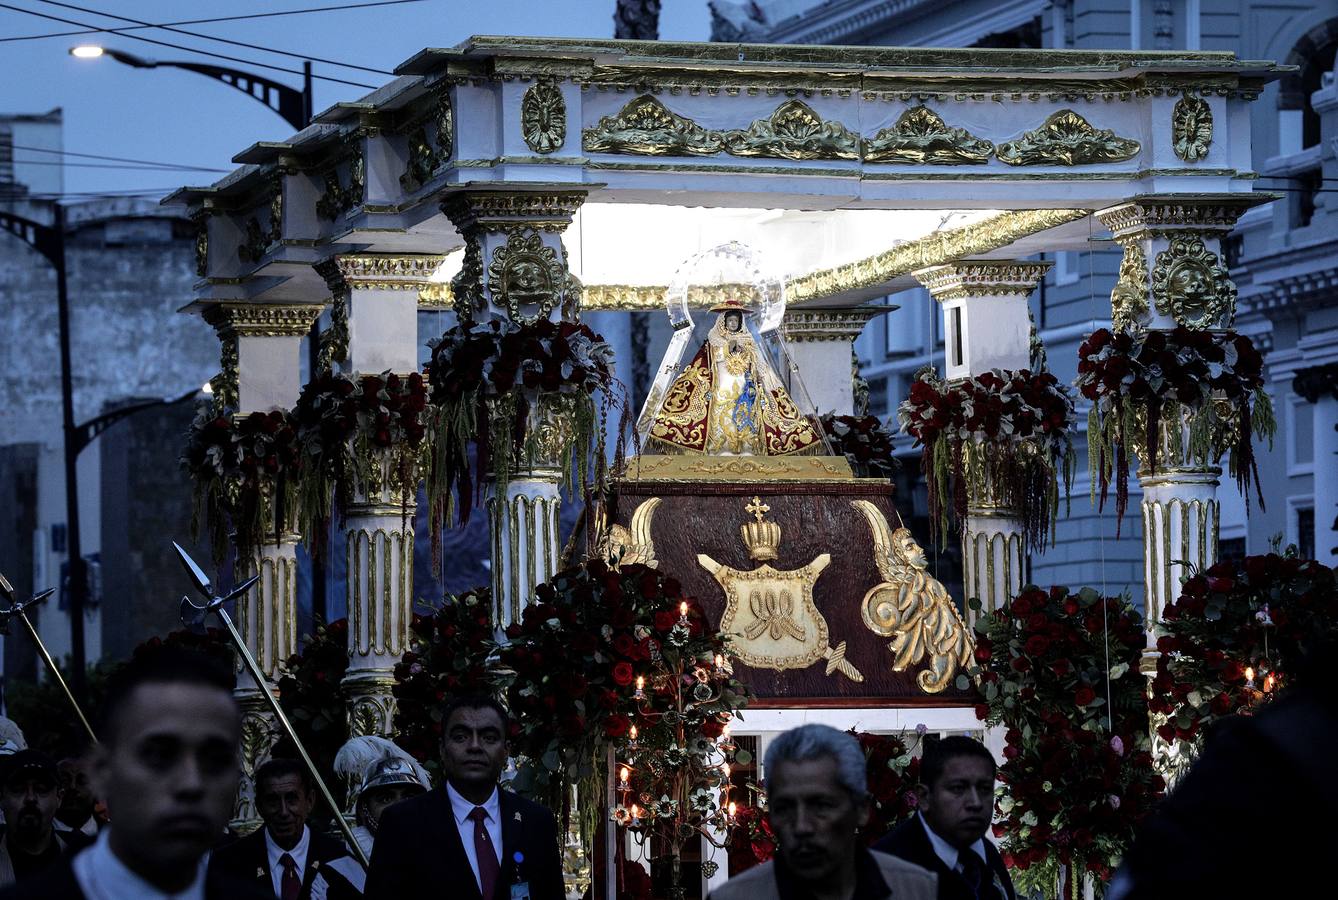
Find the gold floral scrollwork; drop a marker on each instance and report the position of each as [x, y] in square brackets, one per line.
[467, 285]
[422, 161]
[912, 607]
[202, 247]
[275, 217]
[227, 383]
[252, 247]
[634, 544]
[525, 274]
[1191, 128]
[921, 136]
[646, 127]
[1191, 285]
[794, 131]
[367, 717]
[1129, 297]
[445, 128]
[335, 198]
[1067, 139]
[543, 117]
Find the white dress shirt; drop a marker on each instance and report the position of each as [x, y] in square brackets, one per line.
[102, 876]
[461, 808]
[298, 853]
[948, 853]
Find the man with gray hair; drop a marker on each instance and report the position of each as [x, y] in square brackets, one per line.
[817, 800]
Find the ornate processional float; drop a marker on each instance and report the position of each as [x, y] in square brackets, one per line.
[537, 190]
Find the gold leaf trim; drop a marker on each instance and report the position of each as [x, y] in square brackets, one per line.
[1191, 128]
[543, 117]
[646, 127]
[1067, 139]
[794, 131]
[920, 136]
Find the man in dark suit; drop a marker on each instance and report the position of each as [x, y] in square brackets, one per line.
[947, 834]
[467, 838]
[285, 857]
[167, 769]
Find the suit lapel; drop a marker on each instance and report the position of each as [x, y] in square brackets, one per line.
[454, 861]
[259, 853]
[513, 834]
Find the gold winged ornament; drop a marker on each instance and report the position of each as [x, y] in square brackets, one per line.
[634, 545]
[770, 613]
[912, 607]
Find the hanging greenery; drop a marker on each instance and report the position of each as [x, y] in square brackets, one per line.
[359, 435]
[1235, 638]
[1203, 380]
[1077, 777]
[524, 396]
[1002, 437]
[246, 471]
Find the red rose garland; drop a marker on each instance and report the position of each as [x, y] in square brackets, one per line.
[865, 444]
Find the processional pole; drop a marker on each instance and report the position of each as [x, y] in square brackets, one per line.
[20, 611]
[193, 614]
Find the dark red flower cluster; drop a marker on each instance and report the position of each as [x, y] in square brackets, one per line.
[499, 356]
[865, 444]
[893, 776]
[1156, 370]
[1004, 434]
[1255, 616]
[447, 657]
[752, 842]
[1052, 666]
[311, 695]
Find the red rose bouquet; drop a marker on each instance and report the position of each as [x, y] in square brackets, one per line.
[865, 444]
[1060, 672]
[1003, 436]
[1203, 380]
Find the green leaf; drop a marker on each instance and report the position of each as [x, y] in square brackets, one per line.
[743, 757]
[962, 682]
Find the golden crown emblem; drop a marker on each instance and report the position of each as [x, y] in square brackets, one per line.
[761, 538]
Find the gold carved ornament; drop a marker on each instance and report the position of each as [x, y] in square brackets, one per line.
[633, 545]
[527, 273]
[912, 607]
[276, 216]
[920, 136]
[770, 613]
[467, 285]
[1129, 297]
[445, 127]
[422, 161]
[543, 117]
[646, 127]
[202, 246]
[1191, 128]
[253, 246]
[1067, 139]
[337, 199]
[794, 131]
[1191, 285]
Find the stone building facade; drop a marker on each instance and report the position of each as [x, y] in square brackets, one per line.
[1284, 254]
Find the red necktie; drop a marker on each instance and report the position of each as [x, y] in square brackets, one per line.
[292, 884]
[489, 868]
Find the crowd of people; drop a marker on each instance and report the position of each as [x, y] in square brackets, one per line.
[145, 814]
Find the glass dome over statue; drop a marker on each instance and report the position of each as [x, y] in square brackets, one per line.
[738, 395]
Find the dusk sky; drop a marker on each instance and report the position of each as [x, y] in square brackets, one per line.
[183, 118]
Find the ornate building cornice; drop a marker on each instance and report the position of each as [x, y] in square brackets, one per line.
[378, 272]
[1176, 212]
[803, 325]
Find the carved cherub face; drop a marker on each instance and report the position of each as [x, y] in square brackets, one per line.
[526, 280]
[1192, 280]
[906, 549]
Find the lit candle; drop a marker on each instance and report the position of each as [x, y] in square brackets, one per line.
[719, 664]
[632, 736]
[640, 692]
[733, 809]
[1249, 677]
[636, 814]
[683, 612]
[1268, 682]
[623, 776]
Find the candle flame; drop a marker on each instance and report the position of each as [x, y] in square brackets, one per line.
[683, 609]
[1249, 673]
[732, 808]
[624, 775]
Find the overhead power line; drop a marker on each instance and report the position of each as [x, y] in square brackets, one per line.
[135, 37]
[143, 162]
[82, 165]
[207, 37]
[289, 12]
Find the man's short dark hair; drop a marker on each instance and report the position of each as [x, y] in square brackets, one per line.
[476, 701]
[161, 665]
[282, 767]
[937, 755]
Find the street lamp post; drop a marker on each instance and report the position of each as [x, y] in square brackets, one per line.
[293, 105]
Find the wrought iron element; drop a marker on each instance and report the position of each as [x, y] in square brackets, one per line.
[921, 136]
[195, 614]
[1067, 139]
[794, 131]
[1190, 284]
[543, 117]
[646, 127]
[19, 609]
[1191, 128]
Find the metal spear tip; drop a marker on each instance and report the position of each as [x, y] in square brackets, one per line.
[7, 589]
[202, 583]
[238, 590]
[193, 616]
[38, 598]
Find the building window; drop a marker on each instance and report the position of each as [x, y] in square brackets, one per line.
[1300, 436]
[1307, 189]
[1305, 532]
[1066, 269]
[1231, 548]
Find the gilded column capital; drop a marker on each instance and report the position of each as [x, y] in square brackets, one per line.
[829, 324]
[236, 319]
[548, 209]
[982, 278]
[1179, 212]
[378, 271]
